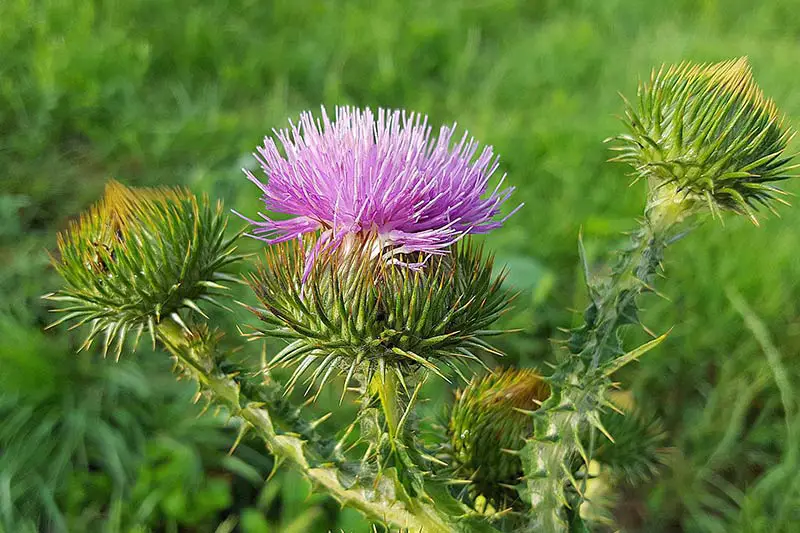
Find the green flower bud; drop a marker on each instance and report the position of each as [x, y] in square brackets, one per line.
[706, 133]
[137, 256]
[357, 313]
[486, 422]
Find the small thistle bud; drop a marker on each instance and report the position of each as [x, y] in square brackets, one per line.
[706, 133]
[140, 255]
[487, 418]
[357, 313]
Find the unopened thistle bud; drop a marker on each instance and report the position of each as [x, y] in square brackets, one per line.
[488, 420]
[357, 315]
[704, 134]
[137, 256]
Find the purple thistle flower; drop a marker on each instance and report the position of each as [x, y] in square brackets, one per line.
[381, 176]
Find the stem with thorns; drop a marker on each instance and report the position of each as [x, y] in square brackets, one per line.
[581, 381]
[387, 407]
[376, 502]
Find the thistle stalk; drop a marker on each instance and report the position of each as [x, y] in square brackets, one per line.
[197, 360]
[704, 138]
[581, 382]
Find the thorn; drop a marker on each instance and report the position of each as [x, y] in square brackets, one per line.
[178, 320]
[308, 403]
[278, 462]
[411, 401]
[458, 482]
[579, 446]
[212, 285]
[193, 306]
[152, 330]
[594, 420]
[320, 420]
[204, 410]
[634, 354]
[432, 459]
[242, 431]
[648, 330]
[511, 452]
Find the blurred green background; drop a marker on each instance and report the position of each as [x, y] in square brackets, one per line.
[152, 92]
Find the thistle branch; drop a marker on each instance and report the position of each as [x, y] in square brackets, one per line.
[703, 137]
[376, 502]
[581, 382]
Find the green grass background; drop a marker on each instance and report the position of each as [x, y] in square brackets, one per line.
[152, 92]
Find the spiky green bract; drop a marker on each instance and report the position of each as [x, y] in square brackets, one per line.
[708, 132]
[140, 255]
[358, 314]
[487, 422]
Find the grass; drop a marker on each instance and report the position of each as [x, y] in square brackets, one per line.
[181, 92]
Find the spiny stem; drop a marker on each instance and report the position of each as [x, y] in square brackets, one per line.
[402, 452]
[417, 517]
[580, 382]
[542, 461]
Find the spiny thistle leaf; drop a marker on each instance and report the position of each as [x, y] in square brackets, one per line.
[708, 132]
[489, 421]
[357, 314]
[137, 256]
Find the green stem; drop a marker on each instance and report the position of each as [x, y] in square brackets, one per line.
[385, 387]
[402, 449]
[418, 517]
[580, 383]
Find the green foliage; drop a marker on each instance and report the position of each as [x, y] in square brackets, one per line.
[89, 446]
[171, 486]
[285, 506]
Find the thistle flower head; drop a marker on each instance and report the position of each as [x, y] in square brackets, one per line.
[708, 132]
[383, 175]
[486, 420]
[355, 315]
[139, 255]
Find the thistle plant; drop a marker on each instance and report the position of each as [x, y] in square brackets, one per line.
[371, 280]
[703, 137]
